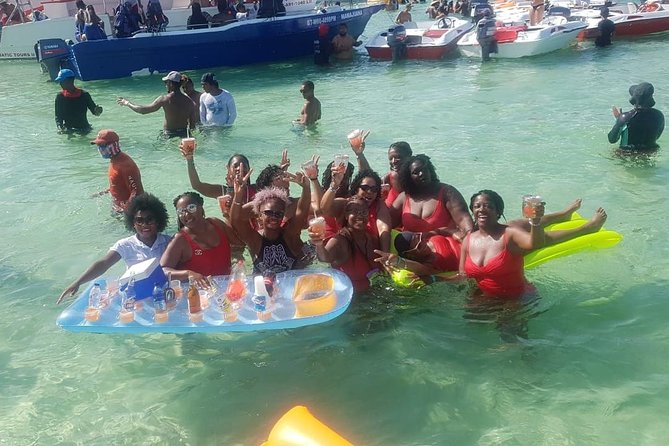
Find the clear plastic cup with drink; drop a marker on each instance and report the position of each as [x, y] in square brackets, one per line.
[530, 205]
[317, 226]
[188, 145]
[356, 138]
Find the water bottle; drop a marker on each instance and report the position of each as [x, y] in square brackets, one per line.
[260, 299]
[159, 303]
[94, 296]
[127, 313]
[170, 294]
[92, 313]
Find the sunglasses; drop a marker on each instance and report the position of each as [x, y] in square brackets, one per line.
[368, 188]
[274, 214]
[145, 221]
[191, 208]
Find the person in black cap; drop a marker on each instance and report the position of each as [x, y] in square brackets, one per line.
[639, 128]
[606, 29]
[217, 106]
[485, 34]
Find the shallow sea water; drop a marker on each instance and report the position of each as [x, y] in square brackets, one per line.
[398, 368]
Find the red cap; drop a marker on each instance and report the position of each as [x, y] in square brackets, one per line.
[105, 137]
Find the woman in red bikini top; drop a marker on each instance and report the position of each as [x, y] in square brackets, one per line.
[201, 248]
[493, 253]
[398, 152]
[352, 249]
[366, 186]
[427, 205]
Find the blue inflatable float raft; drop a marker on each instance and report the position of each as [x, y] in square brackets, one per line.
[303, 297]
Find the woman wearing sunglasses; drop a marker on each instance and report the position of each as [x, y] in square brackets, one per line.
[366, 186]
[352, 249]
[147, 217]
[201, 248]
[276, 246]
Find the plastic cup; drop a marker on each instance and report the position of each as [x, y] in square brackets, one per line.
[188, 145]
[224, 202]
[195, 317]
[385, 190]
[317, 225]
[126, 316]
[92, 314]
[161, 317]
[176, 286]
[230, 315]
[530, 204]
[355, 138]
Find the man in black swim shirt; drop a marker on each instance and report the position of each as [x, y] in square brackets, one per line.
[71, 105]
[639, 128]
[606, 29]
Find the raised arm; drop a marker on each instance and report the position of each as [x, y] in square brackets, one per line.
[310, 169]
[294, 226]
[330, 205]
[522, 241]
[98, 268]
[359, 151]
[335, 252]
[143, 109]
[206, 189]
[239, 219]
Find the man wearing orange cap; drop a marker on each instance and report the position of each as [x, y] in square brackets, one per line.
[180, 111]
[125, 181]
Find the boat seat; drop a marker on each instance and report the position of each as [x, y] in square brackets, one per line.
[508, 33]
[435, 33]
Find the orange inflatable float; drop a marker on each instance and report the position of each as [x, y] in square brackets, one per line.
[298, 427]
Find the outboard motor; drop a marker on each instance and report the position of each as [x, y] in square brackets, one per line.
[54, 54]
[478, 9]
[397, 42]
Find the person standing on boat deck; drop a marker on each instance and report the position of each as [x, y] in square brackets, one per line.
[639, 128]
[343, 43]
[125, 181]
[180, 110]
[536, 12]
[606, 29]
[311, 110]
[485, 34]
[71, 105]
[404, 16]
[217, 106]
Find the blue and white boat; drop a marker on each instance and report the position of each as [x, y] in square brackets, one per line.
[259, 40]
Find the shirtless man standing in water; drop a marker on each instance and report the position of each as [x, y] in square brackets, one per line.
[311, 110]
[180, 110]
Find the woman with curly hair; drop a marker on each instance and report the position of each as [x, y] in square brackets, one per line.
[366, 186]
[201, 248]
[147, 216]
[277, 246]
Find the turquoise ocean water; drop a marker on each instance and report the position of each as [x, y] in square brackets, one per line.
[398, 368]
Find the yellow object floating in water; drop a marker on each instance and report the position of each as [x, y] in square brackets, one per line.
[314, 295]
[298, 427]
[597, 240]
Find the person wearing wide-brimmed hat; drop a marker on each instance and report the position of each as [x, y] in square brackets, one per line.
[606, 28]
[71, 105]
[639, 128]
[180, 110]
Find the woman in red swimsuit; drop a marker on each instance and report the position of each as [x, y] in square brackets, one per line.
[201, 248]
[398, 152]
[366, 185]
[427, 205]
[352, 249]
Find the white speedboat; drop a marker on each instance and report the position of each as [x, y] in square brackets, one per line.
[422, 41]
[18, 41]
[523, 41]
